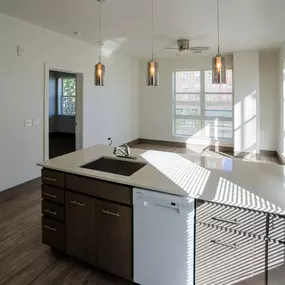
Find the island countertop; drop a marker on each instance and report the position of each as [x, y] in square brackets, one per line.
[250, 185]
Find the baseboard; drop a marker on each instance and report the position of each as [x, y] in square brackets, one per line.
[133, 143]
[164, 143]
[221, 149]
[280, 158]
[19, 189]
[269, 153]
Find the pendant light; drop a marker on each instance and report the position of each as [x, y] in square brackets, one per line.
[99, 67]
[152, 65]
[218, 64]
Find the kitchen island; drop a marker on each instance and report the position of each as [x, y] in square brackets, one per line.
[239, 216]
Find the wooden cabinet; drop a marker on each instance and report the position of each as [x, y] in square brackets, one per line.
[53, 233]
[235, 246]
[115, 238]
[80, 227]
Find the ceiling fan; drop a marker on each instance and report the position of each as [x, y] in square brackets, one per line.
[183, 45]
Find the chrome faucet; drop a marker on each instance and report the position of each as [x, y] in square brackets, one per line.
[126, 151]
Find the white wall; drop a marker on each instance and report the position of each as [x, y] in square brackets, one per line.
[109, 111]
[268, 79]
[246, 102]
[156, 102]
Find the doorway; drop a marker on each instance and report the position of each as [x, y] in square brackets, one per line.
[63, 111]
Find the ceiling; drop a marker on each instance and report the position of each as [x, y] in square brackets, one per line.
[245, 24]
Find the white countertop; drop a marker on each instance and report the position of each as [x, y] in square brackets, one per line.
[257, 186]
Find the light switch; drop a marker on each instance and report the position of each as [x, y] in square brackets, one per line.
[37, 122]
[28, 123]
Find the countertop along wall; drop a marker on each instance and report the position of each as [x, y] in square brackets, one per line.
[107, 111]
[156, 102]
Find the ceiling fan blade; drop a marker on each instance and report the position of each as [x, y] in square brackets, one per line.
[170, 48]
[197, 48]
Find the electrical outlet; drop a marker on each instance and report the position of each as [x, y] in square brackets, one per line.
[28, 123]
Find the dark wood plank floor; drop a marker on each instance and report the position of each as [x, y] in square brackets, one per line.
[25, 260]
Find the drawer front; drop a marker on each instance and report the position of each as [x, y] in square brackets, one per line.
[101, 189]
[215, 251]
[237, 219]
[53, 194]
[53, 178]
[53, 233]
[53, 210]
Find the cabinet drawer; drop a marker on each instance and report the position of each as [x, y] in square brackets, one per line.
[53, 194]
[222, 258]
[101, 189]
[53, 178]
[53, 210]
[237, 219]
[53, 233]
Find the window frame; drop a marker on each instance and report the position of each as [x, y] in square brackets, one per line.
[61, 96]
[202, 117]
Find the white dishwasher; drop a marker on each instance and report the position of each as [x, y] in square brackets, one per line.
[163, 238]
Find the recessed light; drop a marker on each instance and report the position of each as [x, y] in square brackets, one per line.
[77, 34]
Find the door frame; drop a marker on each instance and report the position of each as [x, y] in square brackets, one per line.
[79, 107]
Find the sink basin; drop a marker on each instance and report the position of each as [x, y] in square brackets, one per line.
[116, 166]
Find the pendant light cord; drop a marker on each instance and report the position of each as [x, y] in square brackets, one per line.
[152, 30]
[218, 24]
[100, 28]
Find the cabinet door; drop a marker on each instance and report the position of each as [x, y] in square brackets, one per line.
[115, 238]
[80, 227]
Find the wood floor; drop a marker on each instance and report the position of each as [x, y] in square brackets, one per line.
[25, 260]
[199, 150]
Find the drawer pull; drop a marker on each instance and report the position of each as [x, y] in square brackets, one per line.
[50, 195]
[50, 179]
[219, 242]
[77, 203]
[50, 212]
[219, 219]
[108, 212]
[50, 228]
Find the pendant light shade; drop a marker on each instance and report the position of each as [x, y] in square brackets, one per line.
[152, 73]
[218, 63]
[219, 70]
[99, 74]
[152, 65]
[99, 67]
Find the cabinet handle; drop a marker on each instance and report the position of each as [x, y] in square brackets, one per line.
[219, 219]
[50, 212]
[49, 195]
[50, 179]
[108, 212]
[77, 203]
[50, 228]
[219, 242]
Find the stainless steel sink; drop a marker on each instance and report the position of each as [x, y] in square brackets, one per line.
[115, 165]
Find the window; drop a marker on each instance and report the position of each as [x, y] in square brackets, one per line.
[203, 112]
[67, 100]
